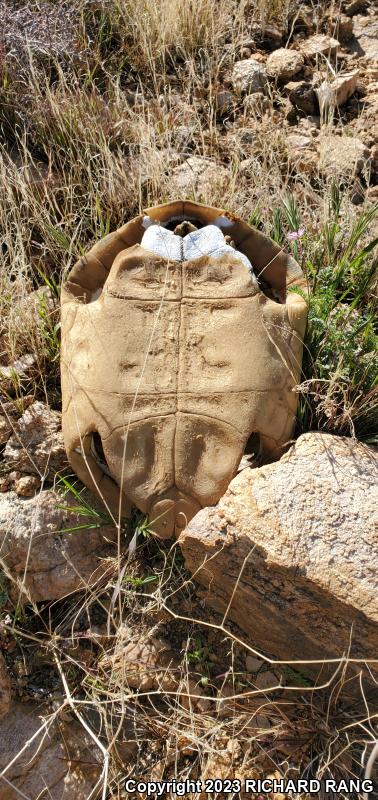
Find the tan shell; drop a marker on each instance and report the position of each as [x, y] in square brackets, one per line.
[175, 365]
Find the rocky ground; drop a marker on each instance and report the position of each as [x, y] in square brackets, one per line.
[119, 654]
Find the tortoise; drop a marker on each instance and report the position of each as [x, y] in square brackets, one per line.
[180, 341]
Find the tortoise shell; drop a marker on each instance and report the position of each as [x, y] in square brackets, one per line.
[168, 366]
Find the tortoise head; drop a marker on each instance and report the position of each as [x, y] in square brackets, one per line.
[171, 362]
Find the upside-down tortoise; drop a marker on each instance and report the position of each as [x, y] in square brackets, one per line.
[173, 356]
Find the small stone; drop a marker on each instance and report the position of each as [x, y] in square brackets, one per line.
[319, 44]
[374, 159]
[249, 76]
[39, 533]
[198, 177]
[302, 153]
[265, 680]
[36, 445]
[302, 96]
[365, 30]
[12, 375]
[344, 28]
[5, 688]
[338, 91]
[342, 156]
[372, 194]
[27, 486]
[253, 664]
[269, 34]
[283, 64]
[5, 429]
[5, 483]
[224, 101]
[146, 665]
[355, 6]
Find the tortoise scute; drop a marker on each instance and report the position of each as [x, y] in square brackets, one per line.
[169, 364]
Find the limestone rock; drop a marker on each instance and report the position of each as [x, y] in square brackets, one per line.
[342, 156]
[283, 64]
[61, 763]
[302, 96]
[36, 445]
[37, 552]
[298, 540]
[365, 30]
[319, 44]
[249, 76]
[197, 176]
[301, 152]
[339, 90]
[5, 688]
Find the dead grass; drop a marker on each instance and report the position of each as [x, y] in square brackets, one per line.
[90, 137]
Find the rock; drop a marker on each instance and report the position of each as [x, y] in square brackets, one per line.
[283, 64]
[44, 561]
[342, 156]
[5, 429]
[5, 689]
[372, 194]
[302, 96]
[354, 7]
[145, 664]
[268, 34]
[36, 445]
[344, 27]
[344, 86]
[319, 44]
[224, 101]
[27, 485]
[12, 375]
[297, 539]
[332, 94]
[253, 664]
[198, 177]
[302, 152]
[365, 30]
[62, 762]
[249, 76]
[374, 159]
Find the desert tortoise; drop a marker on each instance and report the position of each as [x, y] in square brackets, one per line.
[172, 356]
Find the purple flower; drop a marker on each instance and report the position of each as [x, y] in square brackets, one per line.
[295, 234]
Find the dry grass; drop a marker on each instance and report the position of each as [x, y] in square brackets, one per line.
[94, 120]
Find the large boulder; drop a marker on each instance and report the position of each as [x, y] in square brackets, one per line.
[295, 542]
[44, 560]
